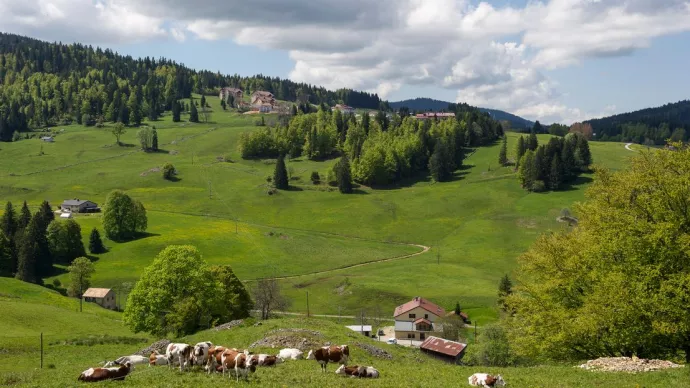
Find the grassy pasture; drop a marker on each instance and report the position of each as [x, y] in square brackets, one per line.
[476, 225]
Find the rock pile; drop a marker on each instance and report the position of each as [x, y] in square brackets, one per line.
[228, 325]
[627, 364]
[302, 339]
[158, 346]
[374, 351]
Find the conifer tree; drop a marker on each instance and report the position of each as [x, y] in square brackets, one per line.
[6, 256]
[568, 162]
[8, 222]
[154, 141]
[505, 288]
[527, 173]
[520, 149]
[532, 142]
[193, 113]
[203, 102]
[24, 217]
[344, 175]
[29, 253]
[503, 153]
[584, 156]
[134, 105]
[439, 164]
[280, 176]
[95, 243]
[556, 174]
[176, 111]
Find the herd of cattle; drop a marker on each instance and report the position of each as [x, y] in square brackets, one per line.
[214, 358]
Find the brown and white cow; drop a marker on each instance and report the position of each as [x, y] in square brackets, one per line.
[200, 353]
[358, 371]
[157, 359]
[324, 355]
[486, 380]
[181, 353]
[240, 362]
[102, 374]
[267, 360]
[227, 359]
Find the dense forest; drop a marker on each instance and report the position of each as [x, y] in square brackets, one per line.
[382, 149]
[45, 84]
[651, 126]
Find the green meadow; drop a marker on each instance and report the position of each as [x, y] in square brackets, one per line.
[476, 225]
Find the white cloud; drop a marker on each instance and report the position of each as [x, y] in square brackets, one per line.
[494, 56]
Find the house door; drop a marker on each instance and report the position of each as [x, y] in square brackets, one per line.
[422, 336]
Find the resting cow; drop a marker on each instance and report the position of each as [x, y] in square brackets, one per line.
[267, 360]
[133, 359]
[326, 354]
[290, 354]
[358, 371]
[102, 374]
[486, 380]
[157, 359]
[181, 353]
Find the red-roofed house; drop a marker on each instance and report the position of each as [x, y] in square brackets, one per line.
[234, 92]
[417, 319]
[446, 350]
[343, 108]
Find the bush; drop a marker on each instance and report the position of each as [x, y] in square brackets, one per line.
[315, 178]
[538, 186]
[493, 349]
[56, 282]
[332, 179]
[168, 171]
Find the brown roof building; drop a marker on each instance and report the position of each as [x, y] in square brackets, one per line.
[446, 350]
[104, 297]
[417, 319]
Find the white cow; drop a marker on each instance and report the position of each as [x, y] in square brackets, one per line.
[133, 359]
[290, 354]
[181, 353]
[157, 359]
[486, 380]
[200, 354]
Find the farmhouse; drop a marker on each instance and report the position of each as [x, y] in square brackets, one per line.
[234, 92]
[48, 139]
[445, 350]
[79, 206]
[364, 329]
[343, 108]
[104, 297]
[417, 319]
[263, 101]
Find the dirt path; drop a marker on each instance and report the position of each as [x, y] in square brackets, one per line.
[627, 147]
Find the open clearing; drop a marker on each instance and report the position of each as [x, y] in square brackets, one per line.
[476, 225]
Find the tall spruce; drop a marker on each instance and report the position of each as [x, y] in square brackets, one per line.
[503, 153]
[6, 256]
[584, 156]
[280, 175]
[505, 288]
[527, 174]
[568, 162]
[532, 142]
[154, 140]
[203, 102]
[176, 111]
[29, 255]
[537, 128]
[24, 217]
[134, 105]
[8, 222]
[520, 149]
[440, 165]
[95, 243]
[556, 173]
[193, 112]
[343, 175]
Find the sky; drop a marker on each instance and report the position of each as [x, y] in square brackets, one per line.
[552, 60]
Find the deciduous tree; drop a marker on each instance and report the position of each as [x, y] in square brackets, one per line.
[122, 217]
[80, 272]
[64, 240]
[118, 130]
[268, 297]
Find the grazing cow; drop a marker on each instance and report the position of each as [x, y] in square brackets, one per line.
[133, 359]
[200, 353]
[181, 353]
[358, 371]
[214, 358]
[326, 354]
[290, 354]
[267, 360]
[245, 364]
[102, 374]
[227, 359]
[486, 380]
[156, 359]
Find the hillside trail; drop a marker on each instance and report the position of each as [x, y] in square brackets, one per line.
[627, 147]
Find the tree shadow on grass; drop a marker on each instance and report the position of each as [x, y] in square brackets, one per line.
[173, 179]
[359, 192]
[575, 185]
[293, 188]
[126, 145]
[138, 236]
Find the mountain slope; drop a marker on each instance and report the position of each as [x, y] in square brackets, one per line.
[424, 104]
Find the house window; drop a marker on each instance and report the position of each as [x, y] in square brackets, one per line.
[426, 316]
[413, 316]
[410, 335]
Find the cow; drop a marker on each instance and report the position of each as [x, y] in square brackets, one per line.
[324, 355]
[214, 358]
[267, 360]
[486, 380]
[156, 359]
[245, 364]
[181, 353]
[133, 359]
[358, 371]
[200, 353]
[102, 374]
[227, 359]
[290, 354]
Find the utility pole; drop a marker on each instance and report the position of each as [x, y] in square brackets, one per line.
[307, 304]
[475, 332]
[81, 293]
[438, 256]
[41, 350]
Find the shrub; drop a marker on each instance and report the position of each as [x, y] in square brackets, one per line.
[493, 349]
[332, 179]
[56, 283]
[315, 178]
[168, 171]
[538, 186]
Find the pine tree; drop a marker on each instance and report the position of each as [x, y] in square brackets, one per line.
[6, 256]
[203, 101]
[176, 111]
[134, 105]
[532, 142]
[154, 141]
[568, 162]
[541, 165]
[280, 176]
[556, 174]
[584, 156]
[95, 243]
[24, 217]
[537, 128]
[344, 175]
[505, 288]
[527, 173]
[30, 252]
[503, 154]
[193, 113]
[520, 149]
[439, 164]
[8, 222]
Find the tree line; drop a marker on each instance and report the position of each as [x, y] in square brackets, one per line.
[46, 84]
[379, 150]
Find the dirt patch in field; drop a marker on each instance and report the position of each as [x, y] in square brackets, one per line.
[158, 346]
[627, 364]
[301, 339]
[229, 325]
[374, 351]
[151, 170]
[526, 223]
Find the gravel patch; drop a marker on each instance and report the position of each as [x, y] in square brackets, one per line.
[158, 346]
[374, 351]
[228, 325]
[627, 364]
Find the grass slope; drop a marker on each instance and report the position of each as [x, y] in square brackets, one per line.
[409, 367]
[476, 225]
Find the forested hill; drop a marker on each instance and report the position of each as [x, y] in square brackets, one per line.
[429, 104]
[646, 126]
[44, 84]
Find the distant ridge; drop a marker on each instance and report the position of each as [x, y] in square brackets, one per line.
[655, 124]
[424, 104]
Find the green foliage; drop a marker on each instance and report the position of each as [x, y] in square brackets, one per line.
[493, 349]
[583, 154]
[651, 125]
[258, 144]
[145, 137]
[619, 283]
[24, 217]
[505, 288]
[168, 171]
[123, 217]
[527, 173]
[235, 302]
[280, 175]
[503, 153]
[176, 109]
[556, 173]
[558, 129]
[64, 239]
[193, 113]
[440, 164]
[315, 178]
[31, 259]
[6, 259]
[520, 149]
[343, 175]
[177, 293]
[134, 106]
[118, 130]
[8, 221]
[80, 272]
[532, 142]
[95, 243]
[203, 101]
[154, 140]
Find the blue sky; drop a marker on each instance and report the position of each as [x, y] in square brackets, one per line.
[552, 60]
